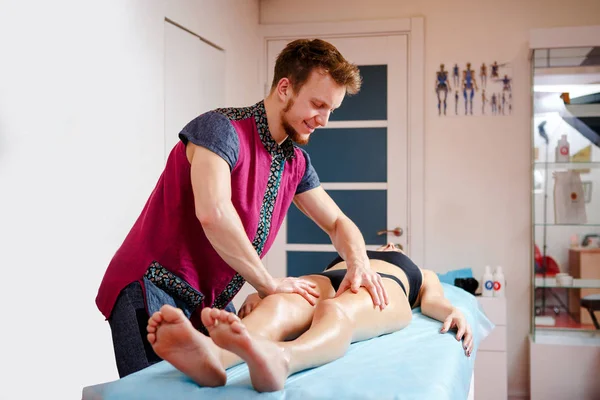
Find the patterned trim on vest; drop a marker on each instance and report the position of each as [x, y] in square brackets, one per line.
[280, 155]
[286, 149]
[174, 285]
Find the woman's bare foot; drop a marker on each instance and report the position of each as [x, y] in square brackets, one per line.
[267, 362]
[175, 340]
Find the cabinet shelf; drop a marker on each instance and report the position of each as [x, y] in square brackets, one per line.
[566, 165]
[550, 224]
[578, 334]
[541, 282]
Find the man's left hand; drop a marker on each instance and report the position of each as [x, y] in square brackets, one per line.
[364, 276]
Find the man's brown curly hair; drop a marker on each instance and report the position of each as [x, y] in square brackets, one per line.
[301, 56]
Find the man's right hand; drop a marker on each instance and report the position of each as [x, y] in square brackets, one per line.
[300, 286]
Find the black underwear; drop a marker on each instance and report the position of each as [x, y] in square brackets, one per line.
[413, 273]
[337, 276]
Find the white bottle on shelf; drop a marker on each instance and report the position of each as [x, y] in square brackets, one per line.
[563, 150]
[499, 282]
[487, 283]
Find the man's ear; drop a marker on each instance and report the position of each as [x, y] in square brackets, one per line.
[284, 89]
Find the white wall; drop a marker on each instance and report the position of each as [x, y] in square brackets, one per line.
[486, 221]
[81, 147]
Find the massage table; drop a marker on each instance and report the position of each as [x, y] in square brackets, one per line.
[417, 362]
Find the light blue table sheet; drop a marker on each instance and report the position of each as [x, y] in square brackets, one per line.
[415, 363]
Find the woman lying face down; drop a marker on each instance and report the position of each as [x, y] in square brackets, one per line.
[283, 334]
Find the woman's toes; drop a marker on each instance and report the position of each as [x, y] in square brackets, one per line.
[238, 327]
[206, 317]
[215, 314]
[232, 318]
[223, 316]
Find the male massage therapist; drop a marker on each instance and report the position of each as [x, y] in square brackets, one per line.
[217, 207]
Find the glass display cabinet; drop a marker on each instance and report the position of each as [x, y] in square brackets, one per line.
[564, 340]
[565, 197]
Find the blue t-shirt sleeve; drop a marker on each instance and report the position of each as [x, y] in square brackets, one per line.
[213, 131]
[310, 180]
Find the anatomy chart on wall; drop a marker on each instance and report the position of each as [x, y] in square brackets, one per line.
[474, 89]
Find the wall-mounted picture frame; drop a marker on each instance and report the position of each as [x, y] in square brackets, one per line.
[473, 88]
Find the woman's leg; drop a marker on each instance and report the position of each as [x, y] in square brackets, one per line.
[347, 319]
[282, 316]
[276, 317]
[336, 323]
[279, 317]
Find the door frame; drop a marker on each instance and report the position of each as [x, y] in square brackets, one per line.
[414, 29]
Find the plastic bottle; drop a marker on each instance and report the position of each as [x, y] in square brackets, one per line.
[563, 150]
[487, 283]
[499, 282]
[574, 241]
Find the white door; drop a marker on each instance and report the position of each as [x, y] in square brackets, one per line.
[194, 80]
[361, 157]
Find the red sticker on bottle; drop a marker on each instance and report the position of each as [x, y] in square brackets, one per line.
[497, 285]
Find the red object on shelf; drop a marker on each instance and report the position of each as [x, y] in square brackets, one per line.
[547, 262]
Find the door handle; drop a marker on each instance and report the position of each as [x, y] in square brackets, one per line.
[396, 231]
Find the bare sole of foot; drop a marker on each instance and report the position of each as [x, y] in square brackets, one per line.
[175, 340]
[267, 362]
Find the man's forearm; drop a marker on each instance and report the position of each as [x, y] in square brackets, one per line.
[349, 242]
[225, 231]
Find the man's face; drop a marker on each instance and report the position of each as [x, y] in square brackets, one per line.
[311, 106]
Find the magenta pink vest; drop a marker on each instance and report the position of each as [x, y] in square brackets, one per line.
[264, 180]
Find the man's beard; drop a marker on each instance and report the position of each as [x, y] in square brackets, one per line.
[289, 129]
